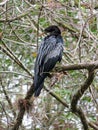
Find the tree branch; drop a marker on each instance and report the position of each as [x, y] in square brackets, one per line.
[18, 17]
[10, 53]
[22, 108]
[93, 125]
[92, 65]
[75, 99]
[78, 95]
[56, 97]
[7, 98]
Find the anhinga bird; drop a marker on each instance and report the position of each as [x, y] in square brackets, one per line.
[49, 53]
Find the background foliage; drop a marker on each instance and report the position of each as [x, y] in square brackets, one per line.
[21, 30]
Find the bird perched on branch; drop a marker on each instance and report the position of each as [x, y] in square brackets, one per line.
[49, 53]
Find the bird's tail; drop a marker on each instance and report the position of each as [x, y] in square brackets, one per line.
[38, 84]
[38, 91]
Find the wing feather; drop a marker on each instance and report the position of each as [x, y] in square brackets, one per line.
[45, 48]
[49, 49]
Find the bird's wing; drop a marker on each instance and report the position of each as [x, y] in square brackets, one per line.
[52, 58]
[48, 49]
[47, 46]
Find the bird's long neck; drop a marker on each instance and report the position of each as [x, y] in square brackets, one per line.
[55, 34]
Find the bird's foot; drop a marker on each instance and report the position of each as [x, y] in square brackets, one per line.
[56, 78]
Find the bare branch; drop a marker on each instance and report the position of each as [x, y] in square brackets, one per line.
[78, 95]
[9, 52]
[7, 98]
[94, 126]
[56, 97]
[18, 17]
[92, 65]
[22, 108]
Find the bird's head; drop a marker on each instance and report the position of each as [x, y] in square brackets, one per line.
[53, 30]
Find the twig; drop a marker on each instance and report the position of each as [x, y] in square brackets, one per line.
[93, 96]
[16, 73]
[3, 3]
[9, 52]
[4, 110]
[18, 17]
[38, 24]
[7, 98]
[56, 97]
[25, 44]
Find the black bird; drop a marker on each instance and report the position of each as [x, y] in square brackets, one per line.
[49, 53]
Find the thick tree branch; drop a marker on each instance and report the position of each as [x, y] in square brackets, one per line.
[93, 125]
[78, 95]
[22, 108]
[92, 65]
[81, 91]
[82, 116]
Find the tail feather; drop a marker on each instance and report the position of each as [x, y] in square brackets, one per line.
[38, 84]
[38, 91]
